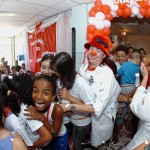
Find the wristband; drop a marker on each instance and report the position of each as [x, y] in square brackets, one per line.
[146, 142]
[67, 105]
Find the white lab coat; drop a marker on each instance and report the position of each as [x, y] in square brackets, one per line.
[106, 89]
[140, 106]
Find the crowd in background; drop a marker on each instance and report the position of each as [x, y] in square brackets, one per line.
[59, 107]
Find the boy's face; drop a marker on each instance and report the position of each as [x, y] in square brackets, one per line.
[121, 57]
[42, 94]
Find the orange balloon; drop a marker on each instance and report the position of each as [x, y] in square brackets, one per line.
[106, 31]
[148, 12]
[106, 9]
[120, 12]
[98, 3]
[98, 32]
[89, 36]
[91, 28]
[98, 8]
[122, 5]
[109, 16]
[125, 16]
[142, 11]
[146, 4]
[142, 3]
[127, 11]
[92, 13]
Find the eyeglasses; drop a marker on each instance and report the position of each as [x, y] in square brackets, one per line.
[121, 56]
[96, 49]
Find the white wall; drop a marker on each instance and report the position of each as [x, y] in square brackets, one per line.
[6, 49]
[79, 20]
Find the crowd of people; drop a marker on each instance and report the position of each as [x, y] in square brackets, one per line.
[59, 105]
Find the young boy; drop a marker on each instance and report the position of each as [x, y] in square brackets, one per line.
[127, 74]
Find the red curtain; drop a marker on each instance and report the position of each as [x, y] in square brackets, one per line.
[40, 42]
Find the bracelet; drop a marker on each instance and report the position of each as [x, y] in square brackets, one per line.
[67, 105]
[146, 142]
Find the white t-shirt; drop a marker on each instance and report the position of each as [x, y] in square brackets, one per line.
[12, 124]
[66, 119]
[82, 92]
[31, 126]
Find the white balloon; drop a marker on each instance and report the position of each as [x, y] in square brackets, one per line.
[99, 25]
[113, 13]
[135, 10]
[131, 4]
[140, 16]
[100, 16]
[132, 15]
[136, 4]
[114, 7]
[107, 23]
[92, 20]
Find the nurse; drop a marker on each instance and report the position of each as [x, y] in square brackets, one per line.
[102, 81]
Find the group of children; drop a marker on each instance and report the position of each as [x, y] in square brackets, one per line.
[27, 109]
[58, 103]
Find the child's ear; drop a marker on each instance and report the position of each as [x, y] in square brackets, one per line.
[53, 97]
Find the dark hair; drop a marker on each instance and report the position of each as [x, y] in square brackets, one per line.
[66, 68]
[46, 57]
[1, 113]
[130, 48]
[111, 64]
[9, 100]
[22, 85]
[142, 49]
[13, 67]
[122, 48]
[50, 79]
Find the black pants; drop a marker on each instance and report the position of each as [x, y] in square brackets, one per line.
[134, 123]
[79, 134]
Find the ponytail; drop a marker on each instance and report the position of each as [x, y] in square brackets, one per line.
[13, 101]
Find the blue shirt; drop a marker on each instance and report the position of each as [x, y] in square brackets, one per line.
[127, 73]
[6, 143]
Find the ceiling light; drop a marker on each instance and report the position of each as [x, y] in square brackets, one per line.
[7, 14]
[123, 33]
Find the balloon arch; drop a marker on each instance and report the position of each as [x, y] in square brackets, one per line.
[103, 12]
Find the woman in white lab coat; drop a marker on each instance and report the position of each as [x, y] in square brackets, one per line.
[101, 80]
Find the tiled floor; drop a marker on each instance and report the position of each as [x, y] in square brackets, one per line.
[124, 139]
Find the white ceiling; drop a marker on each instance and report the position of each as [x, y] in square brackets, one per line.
[30, 12]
